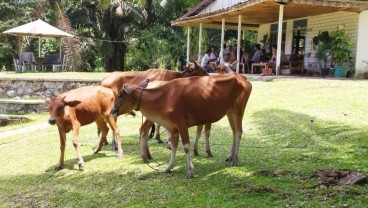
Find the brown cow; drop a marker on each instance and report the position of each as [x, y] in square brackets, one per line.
[181, 103]
[116, 80]
[78, 107]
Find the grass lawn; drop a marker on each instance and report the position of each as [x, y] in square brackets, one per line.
[294, 126]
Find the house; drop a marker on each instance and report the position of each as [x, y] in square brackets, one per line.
[301, 21]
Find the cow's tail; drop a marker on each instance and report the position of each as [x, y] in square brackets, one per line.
[98, 132]
[152, 133]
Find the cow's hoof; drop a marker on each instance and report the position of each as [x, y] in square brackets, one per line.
[159, 141]
[58, 167]
[96, 151]
[81, 165]
[235, 163]
[167, 171]
[190, 175]
[195, 152]
[229, 159]
[120, 155]
[209, 154]
[149, 157]
[168, 146]
[106, 143]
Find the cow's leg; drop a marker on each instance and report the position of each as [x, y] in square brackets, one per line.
[111, 121]
[104, 131]
[158, 136]
[238, 133]
[198, 135]
[113, 140]
[143, 131]
[230, 117]
[76, 127]
[185, 139]
[168, 145]
[174, 146]
[207, 131]
[62, 136]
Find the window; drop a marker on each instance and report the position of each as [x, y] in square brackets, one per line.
[273, 35]
[299, 32]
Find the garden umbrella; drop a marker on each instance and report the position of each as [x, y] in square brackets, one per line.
[38, 29]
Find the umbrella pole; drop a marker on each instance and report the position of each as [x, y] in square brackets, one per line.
[19, 44]
[61, 42]
[39, 46]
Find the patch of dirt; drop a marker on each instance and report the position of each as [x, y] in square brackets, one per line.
[333, 177]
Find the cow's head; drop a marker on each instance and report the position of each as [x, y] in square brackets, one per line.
[56, 107]
[194, 70]
[128, 98]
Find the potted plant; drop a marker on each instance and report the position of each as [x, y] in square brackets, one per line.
[322, 42]
[341, 45]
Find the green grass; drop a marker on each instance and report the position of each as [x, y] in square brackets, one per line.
[295, 125]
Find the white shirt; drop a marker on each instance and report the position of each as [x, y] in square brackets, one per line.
[205, 59]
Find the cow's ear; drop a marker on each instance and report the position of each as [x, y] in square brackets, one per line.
[144, 83]
[127, 89]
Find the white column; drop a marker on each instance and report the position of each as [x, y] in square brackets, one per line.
[362, 43]
[238, 44]
[200, 42]
[279, 36]
[188, 45]
[222, 39]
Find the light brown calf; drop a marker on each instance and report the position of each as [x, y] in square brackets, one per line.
[182, 103]
[78, 107]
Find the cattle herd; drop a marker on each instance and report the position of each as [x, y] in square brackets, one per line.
[174, 100]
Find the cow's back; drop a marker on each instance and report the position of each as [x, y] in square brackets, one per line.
[204, 99]
[116, 80]
[94, 101]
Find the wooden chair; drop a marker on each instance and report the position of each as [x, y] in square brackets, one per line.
[292, 66]
[17, 64]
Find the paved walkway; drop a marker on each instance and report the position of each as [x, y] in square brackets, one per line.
[24, 129]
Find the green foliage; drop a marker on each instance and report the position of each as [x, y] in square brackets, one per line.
[12, 15]
[341, 45]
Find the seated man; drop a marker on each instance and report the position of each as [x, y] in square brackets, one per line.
[205, 62]
[256, 58]
[272, 63]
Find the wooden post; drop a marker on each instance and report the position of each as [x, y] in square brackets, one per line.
[200, 42]
[279, 36]
[188, 45]
[238, 44]
[222, 39]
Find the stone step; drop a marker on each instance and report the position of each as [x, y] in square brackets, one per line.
[21, 107]
[12, 119]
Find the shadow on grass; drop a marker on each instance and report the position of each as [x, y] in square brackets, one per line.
[72, 163]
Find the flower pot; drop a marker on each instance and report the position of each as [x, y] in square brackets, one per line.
[341, 71]
[366, 75]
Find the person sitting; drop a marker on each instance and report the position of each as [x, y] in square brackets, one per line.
[244, 60]
[256, 58]
[272, 63]
[213, 54]
[205, 62]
